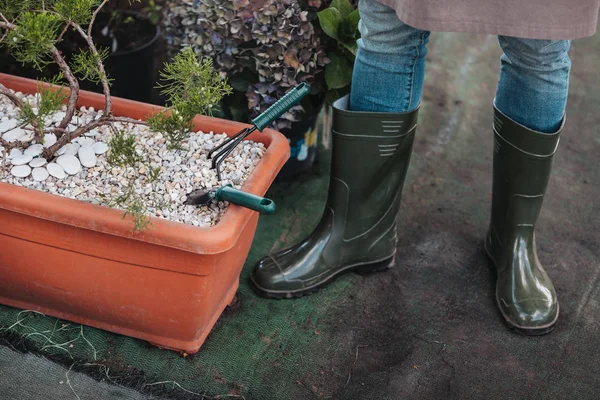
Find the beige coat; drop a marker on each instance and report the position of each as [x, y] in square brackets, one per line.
[536, 19]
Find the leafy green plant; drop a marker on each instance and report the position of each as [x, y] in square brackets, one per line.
[340, 22]
[266, 47]
[191, 88]
[152, 11]
[122, 149]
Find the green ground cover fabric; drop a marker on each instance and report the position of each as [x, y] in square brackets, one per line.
[429, 328]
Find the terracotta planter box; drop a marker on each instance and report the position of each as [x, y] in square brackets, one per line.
[81, 262]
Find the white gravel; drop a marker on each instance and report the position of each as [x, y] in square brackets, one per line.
[182, 171]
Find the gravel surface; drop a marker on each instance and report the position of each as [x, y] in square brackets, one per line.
[80, 169]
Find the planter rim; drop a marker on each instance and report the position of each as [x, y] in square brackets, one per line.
[81, 214]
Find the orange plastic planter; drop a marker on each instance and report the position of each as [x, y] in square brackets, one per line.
[81, 262]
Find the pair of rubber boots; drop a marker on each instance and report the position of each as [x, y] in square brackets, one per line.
[357, 232]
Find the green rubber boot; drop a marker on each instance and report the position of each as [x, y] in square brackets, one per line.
[357, 232]
[522, 165]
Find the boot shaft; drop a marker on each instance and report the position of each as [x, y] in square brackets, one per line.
[522, 164]
[370, 157]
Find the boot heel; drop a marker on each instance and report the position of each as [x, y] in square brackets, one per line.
[381, 266]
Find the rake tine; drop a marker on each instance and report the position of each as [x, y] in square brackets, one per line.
[222, 155]
[227, 141]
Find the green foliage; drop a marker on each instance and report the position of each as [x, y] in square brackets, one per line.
[153, 12]
[187, 81]
[122, 151]
[338, 73]
[85, 64]
[135, 206]
[32, 40]
[138, 205]
[51, 98]
[340, 22]
[265, 48]
[174, 124]
[13, 8]
[154, 174]
[191, 87]
[77, 11]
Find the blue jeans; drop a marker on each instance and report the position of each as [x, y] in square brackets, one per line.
[390, 69]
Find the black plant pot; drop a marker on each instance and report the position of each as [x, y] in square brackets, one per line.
[131, 69]
[302, 137]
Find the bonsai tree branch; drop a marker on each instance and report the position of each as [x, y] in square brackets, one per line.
[11, 96]
[68, 74]
[102, 71]
[73, 85]
[94, 15]
[87, 36]
[68, 136]
[38, 131]
[13, 145]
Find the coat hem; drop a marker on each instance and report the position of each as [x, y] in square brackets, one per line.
[486, 27]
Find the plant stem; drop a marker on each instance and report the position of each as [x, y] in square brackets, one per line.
[11, 96]
[73, 84]
[12, 145]
[94, 15]
[68, 74]
[105, 86]
[18, 103]
[68, 136]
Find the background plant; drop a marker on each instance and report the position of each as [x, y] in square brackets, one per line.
[340, 22]
[264, 47]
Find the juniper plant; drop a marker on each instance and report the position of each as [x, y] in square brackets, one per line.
[32, 29]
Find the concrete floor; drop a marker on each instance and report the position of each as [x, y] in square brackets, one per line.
[429, 328]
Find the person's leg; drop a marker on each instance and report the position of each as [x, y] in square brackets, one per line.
[534, 82]
[390, 65]
[529, 114]
[372, 136]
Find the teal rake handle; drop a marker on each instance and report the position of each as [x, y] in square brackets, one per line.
[244, 199]
[282, 105]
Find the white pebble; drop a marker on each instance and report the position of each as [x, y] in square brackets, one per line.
[27, 136]
[6, 125]
[56, 170]
[84, 141]
[14, 135]
[58, 116]
[20, 171]
[49, 139]
[69, 163]
[38, 162]
[21, 160]
[71, 149]
[40, 174]
[34, 150]
[16, 152]
[87, 156]
[100, 147]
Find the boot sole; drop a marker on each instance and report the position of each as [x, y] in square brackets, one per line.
[526, 331]
[360, 269]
